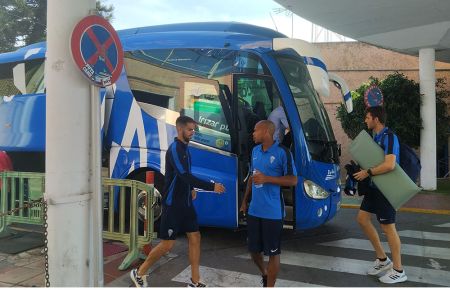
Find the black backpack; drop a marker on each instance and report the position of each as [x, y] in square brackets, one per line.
[409, 161]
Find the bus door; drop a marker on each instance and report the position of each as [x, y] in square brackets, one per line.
[211, 150]
[254, 98]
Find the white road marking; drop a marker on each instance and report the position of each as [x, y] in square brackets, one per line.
[447, 225]
[359, 267]
[425, 235]
[223, 278]
[407, 249]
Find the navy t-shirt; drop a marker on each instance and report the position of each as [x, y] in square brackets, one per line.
[390, 143]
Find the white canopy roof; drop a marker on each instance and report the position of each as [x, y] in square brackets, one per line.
[401, 25]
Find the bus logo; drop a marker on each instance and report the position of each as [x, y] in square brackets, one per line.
[331, 174]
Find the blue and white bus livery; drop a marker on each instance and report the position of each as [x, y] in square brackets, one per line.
[227, 77]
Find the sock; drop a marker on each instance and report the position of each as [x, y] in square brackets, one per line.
[382, 260]
[399, 271]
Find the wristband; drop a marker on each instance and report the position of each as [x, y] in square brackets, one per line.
[369, 171]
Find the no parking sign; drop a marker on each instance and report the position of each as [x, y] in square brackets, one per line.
[373, 97]
[97, 51]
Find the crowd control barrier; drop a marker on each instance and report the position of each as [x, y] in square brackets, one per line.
[21, 201]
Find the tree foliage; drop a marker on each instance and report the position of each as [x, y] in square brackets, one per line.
[402, 100]
[24, 22]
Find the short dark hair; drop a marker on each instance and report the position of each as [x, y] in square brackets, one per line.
[184, 120]
[377, 112]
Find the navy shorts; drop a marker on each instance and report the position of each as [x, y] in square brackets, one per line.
[264, 235]
[176, 220]
[375, 202]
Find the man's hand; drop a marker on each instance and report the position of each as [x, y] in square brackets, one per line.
[194, 194]
[361, 175]
[243, 208]
[259, 178]
[219, 188]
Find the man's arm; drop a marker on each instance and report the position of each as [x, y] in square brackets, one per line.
[248, 190]
[182, 171]
[289, 170]
[287, 180]
[387, 165]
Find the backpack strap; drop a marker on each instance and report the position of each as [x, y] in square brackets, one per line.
[388, 132]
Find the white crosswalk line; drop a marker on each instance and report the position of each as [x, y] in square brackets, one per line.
[407, 249]
[447, 225]
[353, 266]
[425, 235]
[213, 277]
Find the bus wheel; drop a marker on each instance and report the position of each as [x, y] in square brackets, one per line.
[157, 206]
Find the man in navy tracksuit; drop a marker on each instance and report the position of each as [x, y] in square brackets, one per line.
[178, 214]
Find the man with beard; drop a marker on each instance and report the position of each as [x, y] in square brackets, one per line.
[178, 214]
[374, 202]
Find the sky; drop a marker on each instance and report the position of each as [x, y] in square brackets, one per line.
[266, 13]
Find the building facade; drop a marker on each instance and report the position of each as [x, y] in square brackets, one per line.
[355, 62]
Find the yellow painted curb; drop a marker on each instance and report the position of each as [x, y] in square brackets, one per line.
[407, 209]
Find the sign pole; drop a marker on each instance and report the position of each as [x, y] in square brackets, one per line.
[98, 54]
[67, 184]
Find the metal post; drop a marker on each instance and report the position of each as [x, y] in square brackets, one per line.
[428, 113]
[96, 189]
[67, 150]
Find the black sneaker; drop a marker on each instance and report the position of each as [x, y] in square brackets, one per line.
[264, 280]
[195, 285]
[139, 281]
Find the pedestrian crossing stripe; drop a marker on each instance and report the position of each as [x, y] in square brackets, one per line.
[407, 249]
[213, 277]
[359, 267]
[447, 225]
[425, 235]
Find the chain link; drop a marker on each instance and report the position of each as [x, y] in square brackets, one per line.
[32, 203]
[47, 276]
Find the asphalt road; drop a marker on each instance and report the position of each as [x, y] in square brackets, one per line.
[336, 254]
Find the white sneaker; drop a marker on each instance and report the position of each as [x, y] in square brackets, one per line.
[139, 281]
[379, 266]
[393, 276]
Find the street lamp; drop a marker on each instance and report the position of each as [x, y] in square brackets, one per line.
[288, 13]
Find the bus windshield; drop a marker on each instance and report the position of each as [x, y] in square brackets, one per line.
[316, 125]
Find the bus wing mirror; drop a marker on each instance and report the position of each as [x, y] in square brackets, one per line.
[19, 78]
[345, 92]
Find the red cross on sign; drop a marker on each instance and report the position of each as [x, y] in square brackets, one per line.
[97, 51]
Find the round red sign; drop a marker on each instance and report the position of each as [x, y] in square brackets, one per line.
[97, 51]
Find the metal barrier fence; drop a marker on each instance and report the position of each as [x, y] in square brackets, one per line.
[21, 201]
[114, 224]
[18, 190]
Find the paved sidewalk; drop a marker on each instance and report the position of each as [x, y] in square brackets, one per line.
[27, 269]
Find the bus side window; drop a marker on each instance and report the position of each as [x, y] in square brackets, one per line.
[200, 101]
[152, 98]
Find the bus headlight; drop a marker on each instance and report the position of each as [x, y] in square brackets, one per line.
[315, 191]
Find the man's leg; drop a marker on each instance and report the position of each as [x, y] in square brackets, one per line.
[258, 259]
[394, 244]
[272, 270]
[155, 254]
[194, 255]
[365, 223]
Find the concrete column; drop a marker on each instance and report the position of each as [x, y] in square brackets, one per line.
[428, 113]
[67, 150]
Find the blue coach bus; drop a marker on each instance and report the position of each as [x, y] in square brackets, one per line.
[227, 76]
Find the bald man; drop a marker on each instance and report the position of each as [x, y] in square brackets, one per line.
[272, 166]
